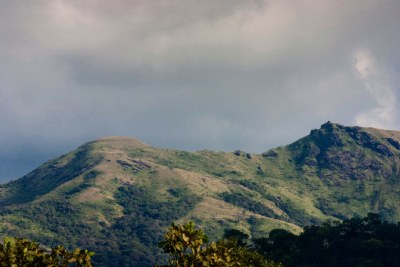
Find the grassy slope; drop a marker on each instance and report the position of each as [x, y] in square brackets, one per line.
[116, 195]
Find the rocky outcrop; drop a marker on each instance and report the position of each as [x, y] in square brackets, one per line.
[135, 166]
[270, 154]
[345, 152]
[394, 143]
[367, 140]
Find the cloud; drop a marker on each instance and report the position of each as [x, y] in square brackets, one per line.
[220, 75]
[377, 85]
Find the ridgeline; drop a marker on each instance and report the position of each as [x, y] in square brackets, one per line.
[117, 195]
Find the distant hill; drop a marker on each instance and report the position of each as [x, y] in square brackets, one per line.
[116, 195]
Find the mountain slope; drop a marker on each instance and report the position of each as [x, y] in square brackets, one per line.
[116, 195]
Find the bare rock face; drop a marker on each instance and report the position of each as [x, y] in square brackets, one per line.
[394, 143]
[314, 148]
[270, 154]
[329, 135]
[367, 140]
[345, 152]
[134, 166]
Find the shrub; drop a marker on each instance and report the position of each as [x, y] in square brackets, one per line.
[18, 252]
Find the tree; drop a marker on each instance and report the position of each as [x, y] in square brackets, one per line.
[241, 238]
[18, 252]
[184, 244]
[365, 241]
[189, 247]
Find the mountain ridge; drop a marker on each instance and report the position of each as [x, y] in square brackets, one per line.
[116, 195]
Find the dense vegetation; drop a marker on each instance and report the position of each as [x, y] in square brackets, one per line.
[365, 241]
[141, 227]
[129, 240]
[188, 246]
[18, 252]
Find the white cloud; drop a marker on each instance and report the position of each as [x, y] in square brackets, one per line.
[378, 86]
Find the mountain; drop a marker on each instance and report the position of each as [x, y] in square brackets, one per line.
[117, 195]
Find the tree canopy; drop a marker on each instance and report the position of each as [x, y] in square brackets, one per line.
[19, 252]
[365, 241]
[188, 246]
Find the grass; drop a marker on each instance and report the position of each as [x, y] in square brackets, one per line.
[79, 195]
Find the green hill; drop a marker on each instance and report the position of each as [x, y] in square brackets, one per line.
[116, 195]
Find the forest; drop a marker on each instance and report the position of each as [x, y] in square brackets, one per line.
[368, 241]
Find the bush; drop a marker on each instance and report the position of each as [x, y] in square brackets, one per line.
[188, 246]
[18, 252]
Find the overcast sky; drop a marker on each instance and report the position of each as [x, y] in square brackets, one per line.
[189, 74]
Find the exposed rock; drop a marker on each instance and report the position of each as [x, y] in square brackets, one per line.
[384, 150]
[329, 135]
[394, 143]
[366, 140]
[270, 154]
[309, 154]
[140, 164]
[137, 165]
[124, 163]
[237, 152]
[349, 165]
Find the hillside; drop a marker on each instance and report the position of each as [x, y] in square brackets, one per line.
[116, 195]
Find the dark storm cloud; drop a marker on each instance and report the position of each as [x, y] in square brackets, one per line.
[190, 74]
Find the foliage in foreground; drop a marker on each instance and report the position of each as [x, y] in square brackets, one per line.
[188, 246]
[18, 252]
[364, 242]
[360, 242]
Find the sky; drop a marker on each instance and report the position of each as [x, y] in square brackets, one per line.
[189, 74]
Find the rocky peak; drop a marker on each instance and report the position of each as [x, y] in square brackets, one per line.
[330, 134]
[329, 125]
[355, 151]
